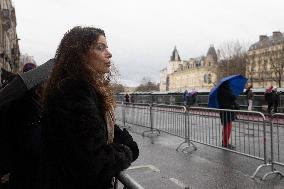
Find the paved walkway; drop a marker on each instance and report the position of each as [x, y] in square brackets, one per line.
[159, 166]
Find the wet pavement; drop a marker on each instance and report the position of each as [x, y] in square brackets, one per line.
[160, 166]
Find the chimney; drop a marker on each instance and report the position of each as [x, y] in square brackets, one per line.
[262, 37]
[276, 34]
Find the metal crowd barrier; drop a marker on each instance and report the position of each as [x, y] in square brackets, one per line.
[276, 143]
[133, 114]
[252, 134]
[169, 119]
[248, 134]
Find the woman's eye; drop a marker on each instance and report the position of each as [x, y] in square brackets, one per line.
[101, 47]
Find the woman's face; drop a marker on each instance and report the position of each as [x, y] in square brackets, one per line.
[99, 56]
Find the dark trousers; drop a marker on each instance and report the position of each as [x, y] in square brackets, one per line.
[275, 107]
[270, 105]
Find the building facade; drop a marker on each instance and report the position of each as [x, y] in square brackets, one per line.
[196, 73]
[9, 47]
[266, 61]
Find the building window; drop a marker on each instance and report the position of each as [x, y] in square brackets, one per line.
[205, 78]
[209, 78]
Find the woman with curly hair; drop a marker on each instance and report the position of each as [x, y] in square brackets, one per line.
[82, 148]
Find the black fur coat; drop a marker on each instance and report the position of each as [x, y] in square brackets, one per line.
[75, 152]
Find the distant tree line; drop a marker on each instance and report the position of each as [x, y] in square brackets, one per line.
[146, 85]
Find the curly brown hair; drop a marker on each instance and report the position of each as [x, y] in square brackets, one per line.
[69, 62]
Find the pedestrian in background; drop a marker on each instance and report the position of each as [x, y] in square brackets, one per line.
[82, 148]
[126, 98]
[132, 98]
[185, 98]
[276, 99]
[269, 98]
[28, 66]
[249, 95]
[193, 98]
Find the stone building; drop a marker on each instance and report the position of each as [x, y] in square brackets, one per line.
[9, 47]
[196, 73]
[266, 61]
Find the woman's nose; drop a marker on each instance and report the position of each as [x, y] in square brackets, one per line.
[109, 55]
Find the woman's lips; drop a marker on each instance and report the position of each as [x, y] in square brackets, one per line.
[108, 64]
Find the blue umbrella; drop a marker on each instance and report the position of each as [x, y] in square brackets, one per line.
[237, 84]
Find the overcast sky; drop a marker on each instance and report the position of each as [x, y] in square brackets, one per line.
[142, 33]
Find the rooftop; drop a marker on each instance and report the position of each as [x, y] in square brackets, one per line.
[266, 41]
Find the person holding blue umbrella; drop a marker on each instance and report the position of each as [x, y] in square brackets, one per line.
[226, 101]
[223, 96]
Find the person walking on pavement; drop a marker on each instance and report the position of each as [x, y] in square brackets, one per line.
[276, 99]
[269, 98]
[82, 148]
[226, 100]
[249, 95]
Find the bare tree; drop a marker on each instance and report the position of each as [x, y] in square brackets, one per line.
[250, 70]
[232, 59]
[117, 88]
[147, 84]
[116, 85]
[277, 64]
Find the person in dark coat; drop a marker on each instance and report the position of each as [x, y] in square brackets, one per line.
[127, 98]
[276, 99]
[82, 148]
[20, 139]
[22, 133]
[193, 98]
[249, 95]
[226, 100]
[185, 97]
[132, 98]
[269, 98]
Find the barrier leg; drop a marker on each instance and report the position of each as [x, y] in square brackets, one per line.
[152, 130]
[258, 169]
[273, 169]
[273, 172]
[187, 140]
[265, 164]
